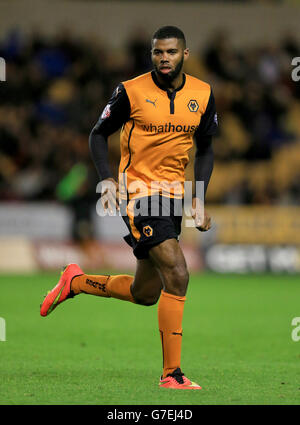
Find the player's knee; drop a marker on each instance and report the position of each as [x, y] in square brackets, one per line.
[145, 299]
[176, 280]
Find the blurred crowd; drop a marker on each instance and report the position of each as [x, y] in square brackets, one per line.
[258, 150]
[57, 87]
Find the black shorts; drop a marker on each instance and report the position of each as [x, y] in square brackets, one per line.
[150, 221]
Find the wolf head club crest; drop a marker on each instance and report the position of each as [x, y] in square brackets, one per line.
[193, 105]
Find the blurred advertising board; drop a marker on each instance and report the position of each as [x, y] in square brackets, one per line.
[35, 220]
[252, 258]
[37, 236]
[253, 239]
[267, 225]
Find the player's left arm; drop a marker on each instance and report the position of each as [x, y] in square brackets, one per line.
[204, 162]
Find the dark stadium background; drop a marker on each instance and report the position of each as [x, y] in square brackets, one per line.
[63, 62]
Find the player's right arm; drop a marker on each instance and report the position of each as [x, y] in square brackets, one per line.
[114, 115]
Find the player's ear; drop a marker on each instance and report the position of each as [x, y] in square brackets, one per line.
[186, 53]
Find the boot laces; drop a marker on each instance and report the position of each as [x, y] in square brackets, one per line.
[177, 375]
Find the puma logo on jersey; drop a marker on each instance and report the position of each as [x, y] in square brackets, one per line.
[150, 101]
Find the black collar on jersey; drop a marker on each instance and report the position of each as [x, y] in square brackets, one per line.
[155, 80]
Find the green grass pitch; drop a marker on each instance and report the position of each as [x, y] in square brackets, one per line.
[236, 343]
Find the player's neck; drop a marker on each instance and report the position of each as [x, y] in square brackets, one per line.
[171, 85]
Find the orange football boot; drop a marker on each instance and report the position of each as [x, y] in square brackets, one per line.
[62, 291]
[177, 381]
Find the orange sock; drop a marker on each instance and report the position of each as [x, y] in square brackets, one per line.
[117, 286]
[170, 313]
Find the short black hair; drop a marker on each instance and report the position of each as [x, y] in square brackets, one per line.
[169, 32]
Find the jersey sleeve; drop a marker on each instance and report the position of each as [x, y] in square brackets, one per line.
[115, 113]
[209, 122]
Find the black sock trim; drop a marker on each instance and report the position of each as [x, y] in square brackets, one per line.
[162, 345]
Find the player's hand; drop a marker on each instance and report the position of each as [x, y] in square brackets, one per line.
[200, 216]
[110, 195]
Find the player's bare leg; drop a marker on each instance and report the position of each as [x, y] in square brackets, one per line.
[147, 284]
[169, 261]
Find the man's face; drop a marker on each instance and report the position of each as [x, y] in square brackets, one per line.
[168, 56]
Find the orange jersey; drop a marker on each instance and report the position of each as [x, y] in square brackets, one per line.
[157, 132]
